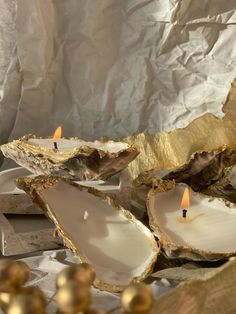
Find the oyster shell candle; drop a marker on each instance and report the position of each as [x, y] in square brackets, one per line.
[102, 233]
[204, 230]
[70, 157]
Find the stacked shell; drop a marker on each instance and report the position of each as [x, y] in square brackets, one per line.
[74, 158]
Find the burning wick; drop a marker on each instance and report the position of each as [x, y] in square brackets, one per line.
[185, 203]
[85, 215]
[56, 136]
[184, 212]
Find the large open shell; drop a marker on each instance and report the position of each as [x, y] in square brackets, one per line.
[82, 161]
[210, 232]
[120, 248]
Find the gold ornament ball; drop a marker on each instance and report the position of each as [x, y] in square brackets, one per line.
[79, 273]
[34, 292]
[4, 276]
[20, 272]
[5, 299]
[137, 298]
[73, 297]
[13, 274]
[26, 304]
[96, 311]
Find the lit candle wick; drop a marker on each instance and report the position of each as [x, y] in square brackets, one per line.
[85, 215]
[185, 203]
[184, 213]
[55, 145]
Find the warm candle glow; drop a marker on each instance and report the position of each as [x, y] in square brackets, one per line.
[185, 199]
[57, 133]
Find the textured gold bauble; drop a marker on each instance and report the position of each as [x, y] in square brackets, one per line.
[34, 292]
[20, 272]
[5, 299]
[96, 311]
[13, 274]
[73, 297]
[26, 304]
[137, 298]
[79, 273]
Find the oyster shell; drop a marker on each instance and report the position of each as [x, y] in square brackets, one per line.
[226, 186]
[120, 248]
[203, 169]
[208, 232]
[75, 158]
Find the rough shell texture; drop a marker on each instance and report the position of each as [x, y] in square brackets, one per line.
[82, 163]
[171, 248]
[203, 169]
[40, 185]
[226, 186]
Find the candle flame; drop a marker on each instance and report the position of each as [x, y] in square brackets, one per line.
[185, 199]
[57, 133]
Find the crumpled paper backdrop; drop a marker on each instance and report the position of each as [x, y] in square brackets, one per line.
[114, 68]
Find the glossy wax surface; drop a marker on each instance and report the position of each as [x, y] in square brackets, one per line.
[210, 225]
[115, 246]
[67, 144]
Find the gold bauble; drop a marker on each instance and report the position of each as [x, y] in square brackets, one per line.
[20, 272]
[137, 298]
[4, 276]
[34, 292]
[79, 273]
[96, 311]
[13, 274]
[5, 299]
[26, 304]
[4, 263]
[73, 297]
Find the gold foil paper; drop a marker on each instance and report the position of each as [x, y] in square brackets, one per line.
[214, 293]
[167, 150]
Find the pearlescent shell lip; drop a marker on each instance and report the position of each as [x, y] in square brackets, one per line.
[210, 239]
[82, 161]
[120, 248]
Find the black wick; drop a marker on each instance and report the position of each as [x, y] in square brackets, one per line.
[55, 145]
[184, 213]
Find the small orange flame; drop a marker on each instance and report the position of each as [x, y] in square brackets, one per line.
[57, 133]
[185, 199]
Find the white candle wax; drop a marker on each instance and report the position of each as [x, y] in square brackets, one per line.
[209, 225]
[67, 144]
[114, 245]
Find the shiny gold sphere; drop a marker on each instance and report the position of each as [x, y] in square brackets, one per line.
[73, 297]
[19, 273]
[79, 273]
[25, 304]
[34, 292]
[13, 274]
[96, 311]
[4, 276]
[5, 299]
[137, 298]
